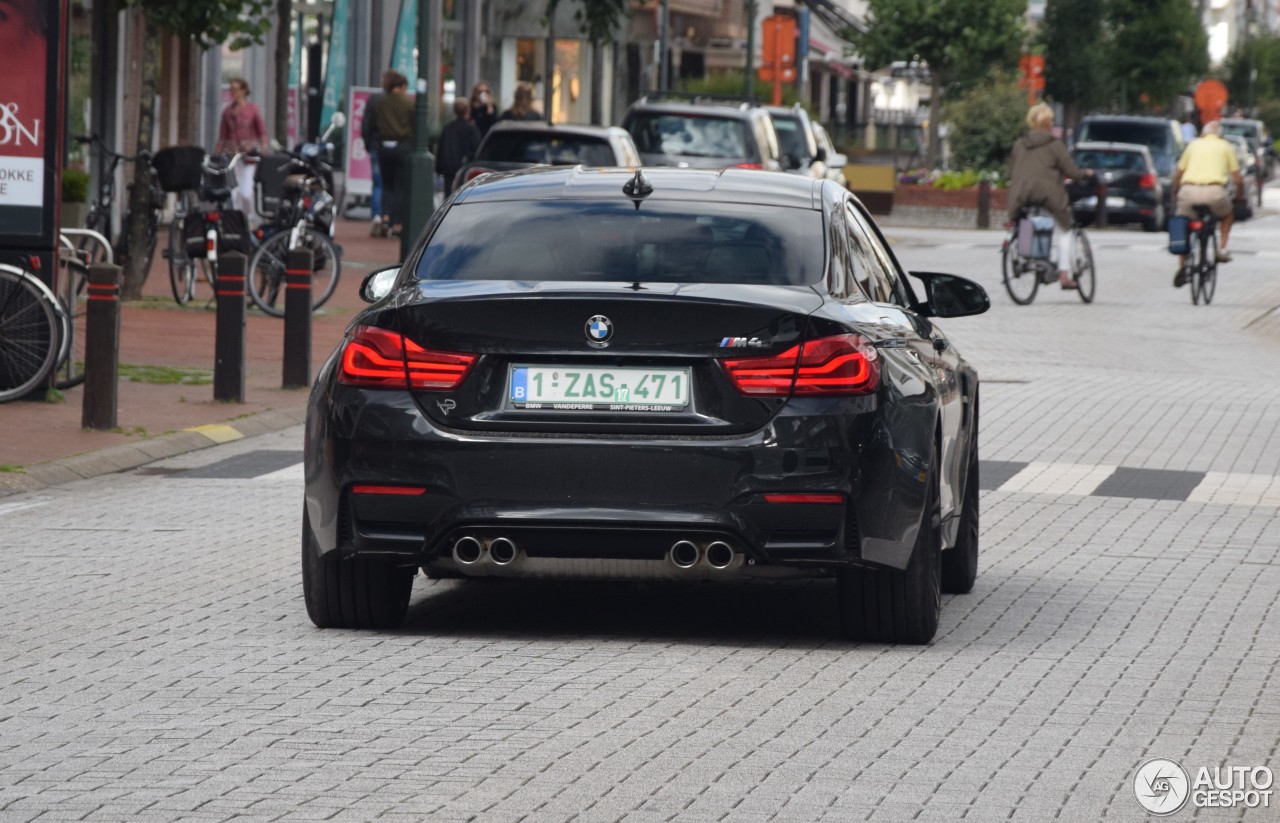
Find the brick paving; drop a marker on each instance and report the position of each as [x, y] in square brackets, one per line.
[156, 662]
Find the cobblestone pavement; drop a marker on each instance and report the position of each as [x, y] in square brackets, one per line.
[156, 662]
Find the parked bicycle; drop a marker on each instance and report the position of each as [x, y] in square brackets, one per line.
[303, 218]
[100, 209]
[1026, 257]
[42, 333]
[199, 233]
[1200, 265]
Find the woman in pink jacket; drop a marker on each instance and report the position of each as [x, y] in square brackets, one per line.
[242, 130]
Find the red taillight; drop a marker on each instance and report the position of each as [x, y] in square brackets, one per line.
[212, 216]
[756, 166]
[804, 498]
[405, 491]
[842, 365]
[1195, 225]
[474, 173]
[378, 358]
[1147, 181]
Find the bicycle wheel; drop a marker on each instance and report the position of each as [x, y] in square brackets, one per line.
[1082, 266]
[1209, 269]
[269, 262]
[182, 269]
[73, 293]
[1020, 279]
[29, 330]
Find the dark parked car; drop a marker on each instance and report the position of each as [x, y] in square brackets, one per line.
[520, 144]
[703, 133]
[1161, 136]
[1242, 203]
[1134, 193]
[667, 376]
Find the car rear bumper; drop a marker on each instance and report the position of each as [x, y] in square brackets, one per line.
[610, 499]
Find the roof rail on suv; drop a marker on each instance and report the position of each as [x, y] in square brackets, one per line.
[743, 102]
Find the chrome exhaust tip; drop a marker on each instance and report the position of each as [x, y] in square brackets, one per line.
[719, 555]
[467, 551]
[502, 551]
[684, 554]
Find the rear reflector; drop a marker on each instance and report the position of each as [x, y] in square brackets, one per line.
[381, 359]
[406, 491]
[804, 498]
[842, 365]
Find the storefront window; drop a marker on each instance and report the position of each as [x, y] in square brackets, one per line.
[569, 77]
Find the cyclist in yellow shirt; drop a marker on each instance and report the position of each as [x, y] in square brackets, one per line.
[1201, 180]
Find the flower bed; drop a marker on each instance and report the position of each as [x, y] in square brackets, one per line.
[932, 197]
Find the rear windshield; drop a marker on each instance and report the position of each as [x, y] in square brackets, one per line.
[689, 135]
[1155, 136]
[1111, 160]
[663, 242]
[557, 150]
[791, 138]
[1248, 132]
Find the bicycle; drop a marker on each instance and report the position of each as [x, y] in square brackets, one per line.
[197, 236]
[72, 292]
[1200, 265]
[99, 216]
[303, 219]
[1023, 275]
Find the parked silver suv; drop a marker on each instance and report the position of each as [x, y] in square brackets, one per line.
[701, 132]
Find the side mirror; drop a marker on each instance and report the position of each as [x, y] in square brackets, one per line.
[377, 284]
[790, 162]
[948, 295]
[837, 161]
[821, 156]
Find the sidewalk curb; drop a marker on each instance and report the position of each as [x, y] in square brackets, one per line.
[126, 456]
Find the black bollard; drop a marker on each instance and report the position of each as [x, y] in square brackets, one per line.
[1100, 220]
[297, 319]
[101, 348]
[984, 204]
[228, 347]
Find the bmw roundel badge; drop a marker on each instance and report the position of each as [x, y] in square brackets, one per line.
[599, 331]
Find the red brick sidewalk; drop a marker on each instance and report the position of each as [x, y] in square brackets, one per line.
[157, 332]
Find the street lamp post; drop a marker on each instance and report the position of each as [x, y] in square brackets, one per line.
[664, 46]
[422, 165]
[749, 85]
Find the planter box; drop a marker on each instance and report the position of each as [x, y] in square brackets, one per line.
[73, 215]
[931, 197]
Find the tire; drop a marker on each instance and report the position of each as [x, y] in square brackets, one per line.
[74, 297]
[29, 336]
[1155, 222]
[960, 563]
[352, 592]
[182, 269]
[1209, 270]
[1194, 262]
[1019, 281]
[891, 606]
[269, 261]
[1082, 269]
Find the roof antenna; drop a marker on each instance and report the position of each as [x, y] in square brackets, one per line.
[637, 188]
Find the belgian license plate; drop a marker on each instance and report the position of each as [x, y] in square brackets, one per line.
[577, 388]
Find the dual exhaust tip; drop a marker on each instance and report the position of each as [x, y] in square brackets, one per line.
[718, 554]
[468, 551]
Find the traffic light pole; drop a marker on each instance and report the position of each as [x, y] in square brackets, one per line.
[750, 85]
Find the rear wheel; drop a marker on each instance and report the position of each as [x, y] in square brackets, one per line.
[1208, 279]
[1082, 266]
[182, 268]
[269, 262]
[352, 592]
[891, 606]
[1020, 279]
[29, 335]
[1194, 261]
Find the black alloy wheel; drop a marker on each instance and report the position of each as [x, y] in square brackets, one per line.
[352, 592]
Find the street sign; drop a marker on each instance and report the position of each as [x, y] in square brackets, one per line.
[31, 93]
[1031, 67]
[778, 55]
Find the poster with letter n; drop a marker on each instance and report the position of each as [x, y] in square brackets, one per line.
[31, 83]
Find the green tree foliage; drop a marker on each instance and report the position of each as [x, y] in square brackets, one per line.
[960, 40]
[1073, 53]
[986, 121]
[209, 23]
[1262, 54]
[1155, 50]
[598, 20]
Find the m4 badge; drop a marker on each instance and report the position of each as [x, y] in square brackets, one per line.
[741, 342]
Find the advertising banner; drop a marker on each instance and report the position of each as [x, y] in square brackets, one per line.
[359, 173]
[335, 75]
[404, 56]
[292, 118]
[30, 94]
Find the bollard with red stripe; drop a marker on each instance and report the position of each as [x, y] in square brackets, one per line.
[228, 347]
[297, 319]
[101, 348]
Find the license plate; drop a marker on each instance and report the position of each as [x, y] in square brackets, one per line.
[1115, 202]
[578, 388]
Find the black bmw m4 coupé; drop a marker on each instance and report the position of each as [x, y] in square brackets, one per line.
[666, 374]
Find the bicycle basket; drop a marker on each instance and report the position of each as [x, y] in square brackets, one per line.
[178, 168]
[1179, 234]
